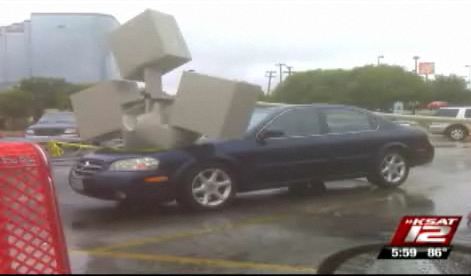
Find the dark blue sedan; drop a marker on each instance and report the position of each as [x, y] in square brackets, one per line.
[294, 146]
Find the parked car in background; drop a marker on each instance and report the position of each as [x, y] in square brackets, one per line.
[54, 125]
[454, 131]
[298, 146]
[436, 104]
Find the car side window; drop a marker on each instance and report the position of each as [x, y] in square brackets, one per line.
[297, 122]
[467, 113]
[447, 112]
[340, 120]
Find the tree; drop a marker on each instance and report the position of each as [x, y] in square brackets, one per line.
[32, 96]
[15, 103]
[451, 89]
[368, 86]
[48, 93]
[313, 86]
[380, 86]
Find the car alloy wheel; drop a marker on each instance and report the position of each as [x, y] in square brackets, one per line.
[393, 168]
[457, 133]
[211, 187]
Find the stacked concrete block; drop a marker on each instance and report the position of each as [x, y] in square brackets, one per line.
[147, 131]
[215, 107]
[99, 109]
[151, 39]
[145, 48]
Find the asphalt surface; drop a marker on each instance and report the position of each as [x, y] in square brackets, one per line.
[270, 231]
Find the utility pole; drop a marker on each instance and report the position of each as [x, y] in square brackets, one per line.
[281, 70]
[379, 59]
[416, 58]
[270, 75]
[289, 71]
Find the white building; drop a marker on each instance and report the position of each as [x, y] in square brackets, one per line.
[72, 46]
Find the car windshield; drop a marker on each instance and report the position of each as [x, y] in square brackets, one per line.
[57, 117]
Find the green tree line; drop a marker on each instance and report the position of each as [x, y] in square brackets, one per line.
[372, 87]
[31, 97]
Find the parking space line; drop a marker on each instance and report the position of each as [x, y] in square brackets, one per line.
[154, 240]
[191, 234]
[220, 263]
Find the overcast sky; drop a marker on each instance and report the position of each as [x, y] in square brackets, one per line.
[242, 39]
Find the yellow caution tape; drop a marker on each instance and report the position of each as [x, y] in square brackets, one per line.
[56, 148]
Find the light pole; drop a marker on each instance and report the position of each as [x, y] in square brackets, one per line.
[469, 79]
[416, 59]
[379, 59]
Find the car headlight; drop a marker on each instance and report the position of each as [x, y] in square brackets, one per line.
[29, 131]
[135, 164]
[70, 131]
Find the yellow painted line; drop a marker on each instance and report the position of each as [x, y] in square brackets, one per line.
[258, 220]
[190, 234]
[221, 263]
[158, 239]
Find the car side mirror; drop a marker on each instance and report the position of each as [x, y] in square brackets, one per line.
[273, 133]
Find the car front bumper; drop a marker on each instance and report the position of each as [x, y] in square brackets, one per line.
[423, 156]
[122, 185]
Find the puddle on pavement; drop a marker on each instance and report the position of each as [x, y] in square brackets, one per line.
[374, 220]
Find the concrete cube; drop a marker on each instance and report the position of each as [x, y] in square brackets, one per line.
[147, 131]
[99, 109]
[151, 39]
[215, 107]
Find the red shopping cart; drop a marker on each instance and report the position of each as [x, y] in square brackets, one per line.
[31, 237]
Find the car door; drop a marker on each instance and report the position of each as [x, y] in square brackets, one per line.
[300, 152]
[441, 127]
[353, 140]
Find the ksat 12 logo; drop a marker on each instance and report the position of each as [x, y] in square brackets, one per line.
[422, 237]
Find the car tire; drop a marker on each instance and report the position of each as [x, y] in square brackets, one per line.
[457, 133]
[207, 187]
[307, 188]
[391, 170]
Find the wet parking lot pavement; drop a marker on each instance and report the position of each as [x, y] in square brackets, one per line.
[264, 232]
